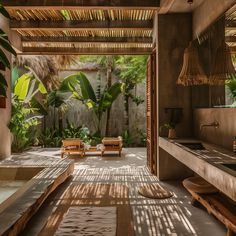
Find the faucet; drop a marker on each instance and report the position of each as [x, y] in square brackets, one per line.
[214, 124]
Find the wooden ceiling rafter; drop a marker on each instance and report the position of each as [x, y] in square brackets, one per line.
[75, 4]
[80, 25]
[85, 51]
[230, 39]
[84, 26]
[98, 40]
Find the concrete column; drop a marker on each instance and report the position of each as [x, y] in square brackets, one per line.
[174, 35]
[5, 113]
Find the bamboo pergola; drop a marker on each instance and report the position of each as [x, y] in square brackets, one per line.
[84, 26]
[230, 29]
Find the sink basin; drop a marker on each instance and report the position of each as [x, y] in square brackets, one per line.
[231, 166]
[194, 146]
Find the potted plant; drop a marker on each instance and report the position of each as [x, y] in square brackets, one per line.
[231, 91]
[171, 130]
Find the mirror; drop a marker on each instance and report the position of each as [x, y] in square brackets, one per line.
[217, 52]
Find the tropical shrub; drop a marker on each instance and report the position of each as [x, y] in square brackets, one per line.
[80, 132]
[132, 71]
[82, 90]
[50, 138]
[143, 137]
[127, 139]
[24, 117]
[21, 125]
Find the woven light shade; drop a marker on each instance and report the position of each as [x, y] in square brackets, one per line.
[223, 68]
[192, 72]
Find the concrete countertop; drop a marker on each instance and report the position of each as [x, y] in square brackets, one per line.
[206, 163]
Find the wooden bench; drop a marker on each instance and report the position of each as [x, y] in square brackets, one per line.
[216, 203]
[112, 145]
[72, 146]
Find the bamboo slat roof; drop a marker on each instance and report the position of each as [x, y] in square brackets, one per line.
[87, 29]
[230, 28]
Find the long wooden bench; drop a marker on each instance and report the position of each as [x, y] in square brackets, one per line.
[216, 203]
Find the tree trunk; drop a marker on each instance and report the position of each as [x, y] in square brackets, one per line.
[109, 82]
[126, 101]
[60, 122]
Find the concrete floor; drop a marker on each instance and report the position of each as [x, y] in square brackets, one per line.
[174, 216]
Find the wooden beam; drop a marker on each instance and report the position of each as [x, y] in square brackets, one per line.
[233, 49]
[165, 6]
[80, 25]
[78, 40]
[85, 51]
[230, 39]
[80, 4]
[230, 24]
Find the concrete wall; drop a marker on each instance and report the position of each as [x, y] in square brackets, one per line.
[174, 35]
[224, 135]
[208, 96]
[209, 12]
[5, 114]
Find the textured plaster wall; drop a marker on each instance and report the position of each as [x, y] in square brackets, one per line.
[222, 136]
[175, 33]
[207, 13]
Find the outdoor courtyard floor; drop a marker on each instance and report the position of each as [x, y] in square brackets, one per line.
[174, 216]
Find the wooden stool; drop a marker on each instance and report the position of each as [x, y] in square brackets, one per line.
[112, 145]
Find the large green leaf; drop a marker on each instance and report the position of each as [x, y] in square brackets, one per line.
[3, 34]
[42, 88]
[6, 44]
[28, 85]
[3, 11]
[70, 83]
[22, 86]
[110, 95]
[56, 98]
[39, 84]
[86, 88]
[39, 106]
[4, 59]
[14, 76]
[80, 84]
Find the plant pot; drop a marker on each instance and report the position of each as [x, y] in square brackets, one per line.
[2, 102]
[172, 134]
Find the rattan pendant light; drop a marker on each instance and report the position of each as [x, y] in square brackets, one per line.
[223, 68]
[192, 72]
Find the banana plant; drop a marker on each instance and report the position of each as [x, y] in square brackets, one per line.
[4, 61]
[27, 86]
[24, 117]
[82, 90]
